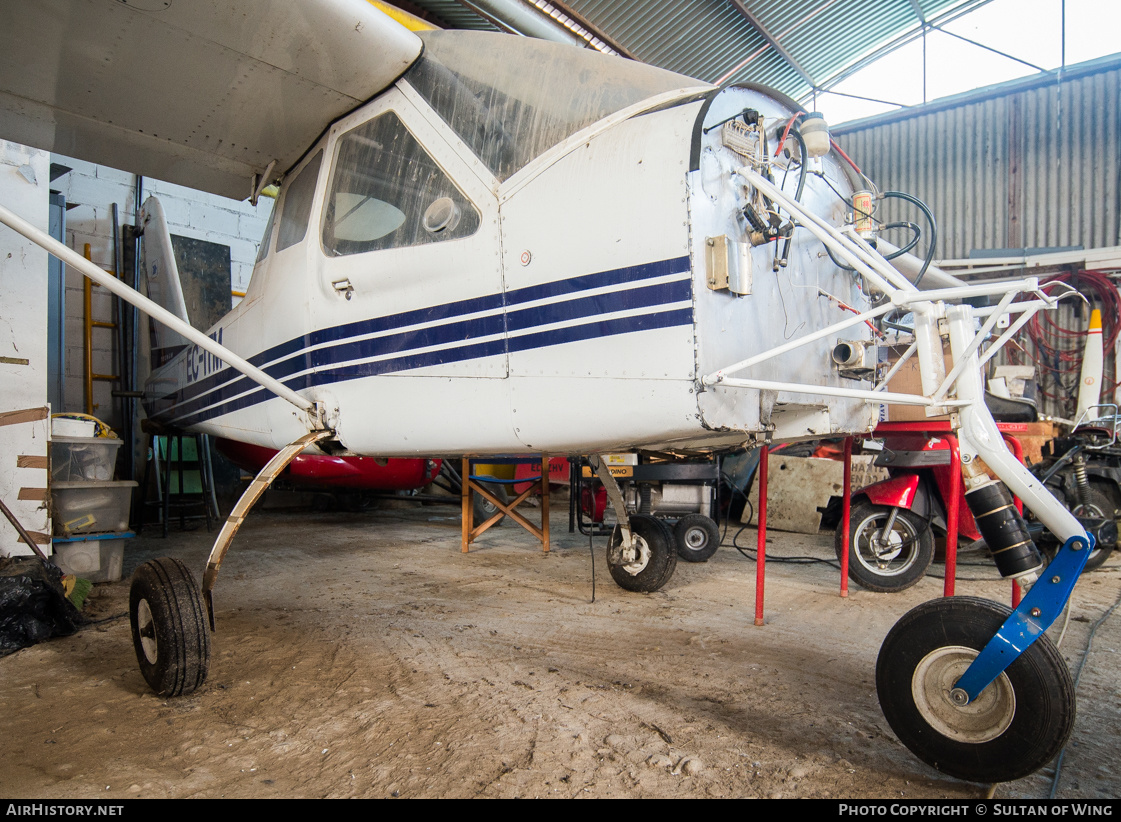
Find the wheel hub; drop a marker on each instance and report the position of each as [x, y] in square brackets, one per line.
[696, 539]
[146, 627]
[637, 557]
[943, 707]
[886, 547]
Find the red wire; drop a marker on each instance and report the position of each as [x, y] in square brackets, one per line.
[1058, 349]
[786, 131]
[848, 159]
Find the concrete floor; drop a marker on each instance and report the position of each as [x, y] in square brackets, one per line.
[361, 654]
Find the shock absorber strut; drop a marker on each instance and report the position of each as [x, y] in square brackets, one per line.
[1004, 529]
[1081, 482]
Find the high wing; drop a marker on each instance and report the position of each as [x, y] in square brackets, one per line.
[219, 95]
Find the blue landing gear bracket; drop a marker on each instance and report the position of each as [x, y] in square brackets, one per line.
[1037, 610]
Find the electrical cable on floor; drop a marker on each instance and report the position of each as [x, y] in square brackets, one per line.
[1066, 623]
[750, 554]
[591, 550]
[1077, 677]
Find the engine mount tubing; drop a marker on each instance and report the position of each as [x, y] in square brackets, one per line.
[905, 262]
[949, 293]
[974, 345]
[979, 436]
[717, 376]
[761, 537]
[1028, 285]
[832, 391]
[899, 364]
[1011, 331]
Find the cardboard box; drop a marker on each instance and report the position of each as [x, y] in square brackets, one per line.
[907, 381]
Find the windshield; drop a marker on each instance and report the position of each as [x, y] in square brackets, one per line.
[513, 98]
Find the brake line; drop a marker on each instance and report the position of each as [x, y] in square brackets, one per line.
[1077, 677]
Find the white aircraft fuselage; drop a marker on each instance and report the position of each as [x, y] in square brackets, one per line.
[567, 310]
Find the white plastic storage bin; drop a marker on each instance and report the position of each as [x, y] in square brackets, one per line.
[96, 557]
[91, 507]
[83, 459]
[65, 427]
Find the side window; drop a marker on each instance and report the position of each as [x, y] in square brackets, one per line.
[388, 193]
[297, 204]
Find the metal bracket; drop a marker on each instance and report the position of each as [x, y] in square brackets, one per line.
[1037, 611]
[615, 495]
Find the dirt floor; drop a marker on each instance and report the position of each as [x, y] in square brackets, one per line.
[362, 655]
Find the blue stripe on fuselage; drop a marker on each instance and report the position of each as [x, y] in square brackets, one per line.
[217, 394]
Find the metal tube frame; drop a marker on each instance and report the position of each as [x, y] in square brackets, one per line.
[976, 432]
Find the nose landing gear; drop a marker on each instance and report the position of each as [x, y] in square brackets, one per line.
[1014, 726]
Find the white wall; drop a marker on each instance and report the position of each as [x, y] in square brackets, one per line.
[24, 416]
[189, 213]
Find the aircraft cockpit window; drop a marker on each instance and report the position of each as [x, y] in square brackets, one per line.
[510, 99]
[298, 198]
[388, 193]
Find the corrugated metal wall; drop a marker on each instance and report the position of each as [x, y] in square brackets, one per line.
[1029, 164]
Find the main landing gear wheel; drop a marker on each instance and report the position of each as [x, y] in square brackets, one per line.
[1013, 728]
[697, 537]
[886, 562]
[169, 629]
[653, 559]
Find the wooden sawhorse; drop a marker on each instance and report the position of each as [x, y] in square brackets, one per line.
[471, 485]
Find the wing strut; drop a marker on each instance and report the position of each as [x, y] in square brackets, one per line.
[159, 313]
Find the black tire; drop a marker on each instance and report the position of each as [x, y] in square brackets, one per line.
[888, 568]
[671, 562]
[1099, 506]
[656, 561]
[697, 537]
[1017, 724]
[169, 627]
[483, 508]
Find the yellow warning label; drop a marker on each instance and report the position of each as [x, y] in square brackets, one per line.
[614, 470]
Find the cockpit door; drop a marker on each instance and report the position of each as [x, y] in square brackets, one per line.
[410, 261]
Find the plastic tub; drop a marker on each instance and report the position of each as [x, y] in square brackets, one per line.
[91, 507]
[67, 427]
[83, 459]
[96, 557]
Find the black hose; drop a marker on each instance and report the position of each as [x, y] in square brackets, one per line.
[801, 185]
[933, 241]
[916, 233]
[904, 224]
[916, 236]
